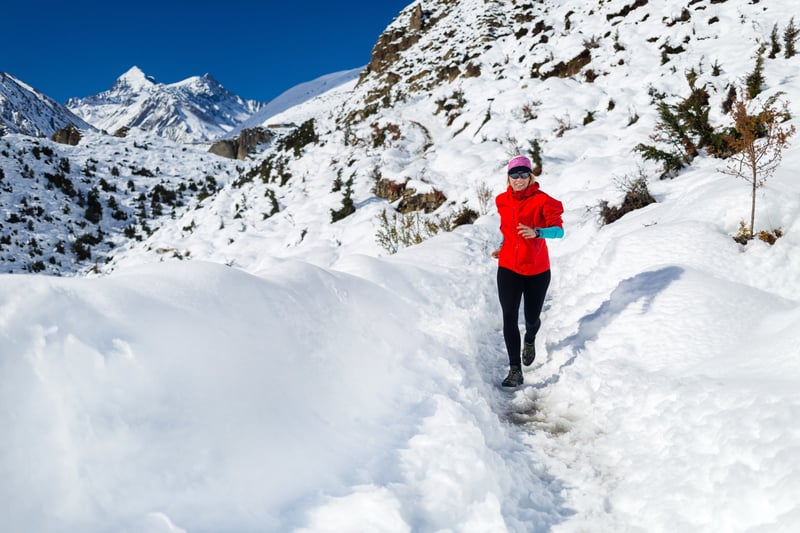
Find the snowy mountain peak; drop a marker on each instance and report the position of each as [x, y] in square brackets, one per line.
[210, 78]
[197, 109]
[205, 85]
[133, 80]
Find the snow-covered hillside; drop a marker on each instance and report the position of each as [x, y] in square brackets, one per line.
[280, 371]
[65, 208]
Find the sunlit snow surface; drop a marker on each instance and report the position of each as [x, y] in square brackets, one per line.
[292, 377]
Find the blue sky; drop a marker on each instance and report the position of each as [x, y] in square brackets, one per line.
[256, 49]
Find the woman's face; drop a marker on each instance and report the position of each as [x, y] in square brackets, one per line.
[519, 180]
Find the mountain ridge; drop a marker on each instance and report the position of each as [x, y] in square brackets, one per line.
[25, 110]
[197, 109]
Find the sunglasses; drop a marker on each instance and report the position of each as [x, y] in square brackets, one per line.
[519, 175]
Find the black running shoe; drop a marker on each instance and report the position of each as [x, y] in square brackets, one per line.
[528, 353]
[514, 377]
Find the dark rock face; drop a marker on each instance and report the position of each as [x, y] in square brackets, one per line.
[226, 148]
[243, 145]
[410, 199]
[67, 135]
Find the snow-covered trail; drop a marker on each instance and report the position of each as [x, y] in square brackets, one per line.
[663, 395]
[470, 448]
[667, 397]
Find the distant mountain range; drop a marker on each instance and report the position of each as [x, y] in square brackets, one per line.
[197, 109]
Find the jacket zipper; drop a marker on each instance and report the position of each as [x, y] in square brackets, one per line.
[516, 237]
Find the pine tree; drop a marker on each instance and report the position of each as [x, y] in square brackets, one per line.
[94, 210]
[348, 206]
[755, 80]
[775, 46]
[790, 35]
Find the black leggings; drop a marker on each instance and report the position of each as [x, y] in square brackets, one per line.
[511, 287]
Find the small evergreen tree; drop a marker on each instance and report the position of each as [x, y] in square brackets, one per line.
[536, 156]
[94, 210]
[685, 129]
[670, 131]
[348, 207]
[693, 113]
[337, 182]
[755, 80]
[790, 35]
[775, 46]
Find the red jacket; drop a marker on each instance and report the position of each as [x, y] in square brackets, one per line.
[533, 208]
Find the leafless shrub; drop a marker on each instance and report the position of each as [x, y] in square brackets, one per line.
[485, 197]
[637, 196]
[529, 110]
[564, 124]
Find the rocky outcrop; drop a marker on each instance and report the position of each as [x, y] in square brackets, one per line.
[225, 148]
[569, 68]
[393, 41]
[428, 202]
[410, 199]
[243, 145]
[67, 135]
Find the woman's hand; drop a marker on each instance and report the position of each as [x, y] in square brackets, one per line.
[527, 232]
[496, 253]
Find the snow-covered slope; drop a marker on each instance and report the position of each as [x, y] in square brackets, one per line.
[198, 109]
[25, 110]
[297, 95]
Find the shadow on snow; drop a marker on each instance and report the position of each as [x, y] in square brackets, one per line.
[644, 286]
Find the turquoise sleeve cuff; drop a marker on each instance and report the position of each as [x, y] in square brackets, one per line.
[553, 232]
